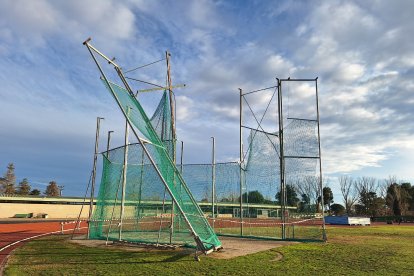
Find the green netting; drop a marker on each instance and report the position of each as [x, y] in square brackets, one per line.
[261, 173]
[301, 175]
[145, 188]
[151, 217]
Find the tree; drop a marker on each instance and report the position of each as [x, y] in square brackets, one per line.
[309, 186]
[52, 189]
[348, 192]
[9, 180]
[304, 204]
[24, 187]
[35, 192]
[253, 197]
[409, 190]
[9, 176]
[327, 196]
[2, 184]
[378, 207]
[337, 209]
[398, 198]
[291, 196]
[370, 203]
[10, 189]
[367, 184]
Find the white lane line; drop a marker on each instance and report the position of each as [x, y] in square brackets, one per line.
[36, 236]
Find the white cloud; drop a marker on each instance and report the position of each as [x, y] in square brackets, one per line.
[276, 63]
[185, 109]
[28, 21]
[202, 13]
[349, 72]
[108, 19]
[231, 112]
[343, 158]
[33, 22]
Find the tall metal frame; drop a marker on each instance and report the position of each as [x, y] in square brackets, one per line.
[241, 161]
[173, 130]
[242, 156]
[320, 161]
[142, 142]
[213, 178]
[282, 157]
[124, 177]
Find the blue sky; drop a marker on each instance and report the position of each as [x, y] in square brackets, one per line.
[50, 94]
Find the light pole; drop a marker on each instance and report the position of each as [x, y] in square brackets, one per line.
[213, 177]
[61, 188]
[95, 159]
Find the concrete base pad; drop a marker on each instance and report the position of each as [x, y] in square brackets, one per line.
[232, 247]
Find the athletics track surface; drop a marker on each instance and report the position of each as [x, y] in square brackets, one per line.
[14, 231]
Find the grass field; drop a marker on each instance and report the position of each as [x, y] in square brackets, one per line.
[374, 250]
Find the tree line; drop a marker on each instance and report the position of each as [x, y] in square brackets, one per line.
[362, 196]
[8, 185]
[374, 197]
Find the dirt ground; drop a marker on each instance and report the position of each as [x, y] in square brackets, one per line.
[235, 247]
[232, 247]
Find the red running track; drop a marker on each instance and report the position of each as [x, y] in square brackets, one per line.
[13, 232]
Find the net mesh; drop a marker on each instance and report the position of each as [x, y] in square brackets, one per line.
[159, 178]
[150, 216]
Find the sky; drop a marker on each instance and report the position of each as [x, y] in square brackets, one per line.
[50, 95]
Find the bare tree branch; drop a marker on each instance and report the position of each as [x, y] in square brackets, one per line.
[349, 192]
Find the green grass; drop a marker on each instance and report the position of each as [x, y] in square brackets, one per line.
[375, 250]
[295, 232]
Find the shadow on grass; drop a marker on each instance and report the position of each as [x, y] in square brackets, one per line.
[177, 257]
[100, 258]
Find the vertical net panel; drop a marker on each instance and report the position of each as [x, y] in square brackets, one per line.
[302, 177]
[106, 201]
[262, 176]
[227, 195]
[147, 213]
[227, 198]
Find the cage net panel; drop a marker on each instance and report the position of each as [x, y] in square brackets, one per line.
[261, 202]
[148, 213]
[167, 169]
[301, 153]
[161, 121]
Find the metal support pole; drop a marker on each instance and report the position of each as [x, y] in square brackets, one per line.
[173, 138]
[181, 172]
[140, 187]
[181, 157]
[281, 159]
[108, 143]
[241, 162]
[95, 159]
[320, 162]
[124, 176]
[213, 179]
